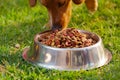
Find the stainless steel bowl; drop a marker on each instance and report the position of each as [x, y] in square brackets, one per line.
[68, 58]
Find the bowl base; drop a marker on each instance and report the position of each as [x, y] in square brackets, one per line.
[25, 57]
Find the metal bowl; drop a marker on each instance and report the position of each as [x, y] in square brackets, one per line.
[68, 58]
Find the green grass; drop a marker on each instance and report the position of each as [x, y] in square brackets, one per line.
[19, 23]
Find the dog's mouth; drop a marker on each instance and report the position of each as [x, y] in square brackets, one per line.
[56, 27]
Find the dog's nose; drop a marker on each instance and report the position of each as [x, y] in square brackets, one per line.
[56, 26]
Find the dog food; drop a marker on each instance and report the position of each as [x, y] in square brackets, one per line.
[67, 38]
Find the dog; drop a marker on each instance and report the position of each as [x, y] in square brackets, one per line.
[60, 10]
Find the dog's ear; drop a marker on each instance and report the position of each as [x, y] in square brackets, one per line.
[32, 2]
[78, 1]
[92, 5]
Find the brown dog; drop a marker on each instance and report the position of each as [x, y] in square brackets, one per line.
[60, 10]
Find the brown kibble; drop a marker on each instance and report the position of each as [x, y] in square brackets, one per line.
[68, 38]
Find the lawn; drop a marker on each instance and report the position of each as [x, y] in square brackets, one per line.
[19, 23]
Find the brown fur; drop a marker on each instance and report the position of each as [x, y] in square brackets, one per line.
[60, 10]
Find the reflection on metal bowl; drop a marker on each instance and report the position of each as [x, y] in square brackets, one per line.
[85, 58]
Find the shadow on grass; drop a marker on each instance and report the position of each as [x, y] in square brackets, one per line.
[16, 65]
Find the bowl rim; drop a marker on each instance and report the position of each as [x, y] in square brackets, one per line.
[55, 48]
